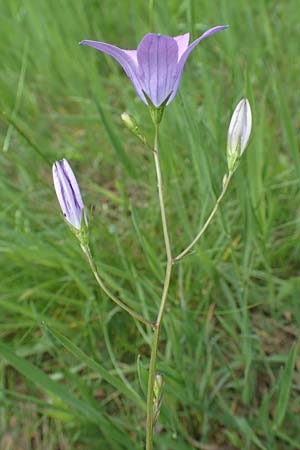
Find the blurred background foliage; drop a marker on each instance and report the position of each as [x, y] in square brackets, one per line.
[73, 367]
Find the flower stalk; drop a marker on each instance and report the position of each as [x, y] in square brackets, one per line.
[86, 250]
[226, 182]
[69, 197]
[238, 135]
[151, 415]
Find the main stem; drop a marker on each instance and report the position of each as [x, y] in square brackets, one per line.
[153, 359]
[131, 312]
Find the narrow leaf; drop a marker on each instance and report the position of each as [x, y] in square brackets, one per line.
[115, 141]
[79, 407]
[284, 389]
[93, 365]
[34, 374]
[142, 374]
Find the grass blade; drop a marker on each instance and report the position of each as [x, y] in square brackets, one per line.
[93, 365]
[285, 385]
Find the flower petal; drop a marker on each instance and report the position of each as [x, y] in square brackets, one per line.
[183, 43]
[69, 175]
[126, 58]
[157, 57]
[132, 54]
[185, 55]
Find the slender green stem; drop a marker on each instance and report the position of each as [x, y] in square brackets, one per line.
[160, 195]
[163, 302]
[151, 380]
[208, 221]
[131, 312]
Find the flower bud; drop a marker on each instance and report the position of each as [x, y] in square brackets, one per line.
[238, 133]
[130, 122]
[158, 389]
[69, 197]
[132, 126]
[158, 386]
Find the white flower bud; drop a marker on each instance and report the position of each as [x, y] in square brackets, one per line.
[238, 133]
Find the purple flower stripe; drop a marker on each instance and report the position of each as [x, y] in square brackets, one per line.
[156, 67]
[68, 193]
[157, 60]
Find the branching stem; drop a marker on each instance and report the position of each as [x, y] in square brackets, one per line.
[208, 221]
[168, 273]
[131, 312]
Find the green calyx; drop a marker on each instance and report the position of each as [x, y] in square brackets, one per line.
[156, 112]
[82, 234]
[233, 158]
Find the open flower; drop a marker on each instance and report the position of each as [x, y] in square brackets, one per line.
[68, 194]
[155, 68]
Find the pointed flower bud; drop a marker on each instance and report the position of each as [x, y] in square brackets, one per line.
[133, 127]
[158, 386]
[238, 133]
[130, 122]
[158, 389]
[69, 197]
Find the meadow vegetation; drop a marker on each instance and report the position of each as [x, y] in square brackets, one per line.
[73, 367]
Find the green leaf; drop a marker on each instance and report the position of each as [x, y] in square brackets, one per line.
[83, 409]
[93, 365]
[284, 389]
[14, 124]
[38, 377]
[292, 442]
[245, 428]
[142, 374]
[115, 141]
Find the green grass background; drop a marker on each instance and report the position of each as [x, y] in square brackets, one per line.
[70, 373]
